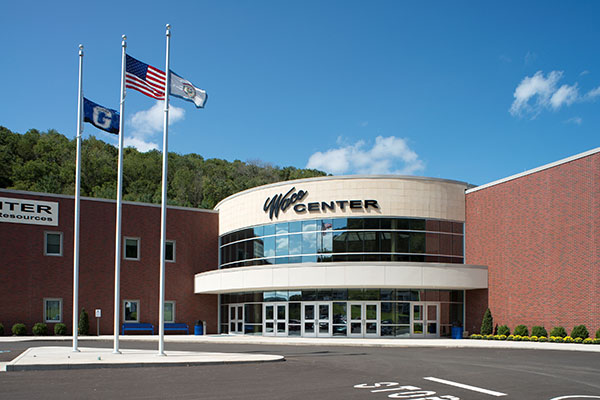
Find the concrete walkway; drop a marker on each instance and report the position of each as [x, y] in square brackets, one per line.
[63, 357]
[60, 357]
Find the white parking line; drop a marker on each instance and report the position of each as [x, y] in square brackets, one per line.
[468, 387]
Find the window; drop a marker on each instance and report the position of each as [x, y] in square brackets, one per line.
[170, 250]
[132, 248]
[169, 311]
[52, 310]
[131, 310]
[53, 243]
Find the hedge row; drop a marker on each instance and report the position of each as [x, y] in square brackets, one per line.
[39, 329]
[519, 338]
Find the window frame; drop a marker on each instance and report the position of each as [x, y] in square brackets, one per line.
[60, 253]
[60, 306]
[138, 310]
[173, 303]
[139, 245]
[174, 248]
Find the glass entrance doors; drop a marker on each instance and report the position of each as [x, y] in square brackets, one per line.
[316, 319]
[424, 319]
[236, 318]
[275, 320]
[364, 319]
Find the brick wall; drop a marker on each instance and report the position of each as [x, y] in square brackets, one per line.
[28, 276]
[538, 235]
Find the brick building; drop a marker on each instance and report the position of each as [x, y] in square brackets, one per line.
[36, 277]
[362, 256]
[538, 232]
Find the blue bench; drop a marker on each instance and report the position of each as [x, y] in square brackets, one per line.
[134, 326]
[171, 326]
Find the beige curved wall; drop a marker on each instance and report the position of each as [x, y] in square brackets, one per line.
[405, 196]
[342, 275]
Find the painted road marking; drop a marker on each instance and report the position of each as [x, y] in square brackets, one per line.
[463, 386]
[576, 396]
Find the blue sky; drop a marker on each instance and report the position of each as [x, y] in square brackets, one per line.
[472, 91]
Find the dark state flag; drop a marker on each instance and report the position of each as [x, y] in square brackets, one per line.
[101, 117]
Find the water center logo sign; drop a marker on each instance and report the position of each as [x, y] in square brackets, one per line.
[22, 211]
[281, 202]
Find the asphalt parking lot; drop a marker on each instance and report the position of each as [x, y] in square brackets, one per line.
[321, 372]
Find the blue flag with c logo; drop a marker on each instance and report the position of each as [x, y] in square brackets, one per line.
[101, 117]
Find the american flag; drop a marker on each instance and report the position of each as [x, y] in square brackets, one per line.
[145, 78]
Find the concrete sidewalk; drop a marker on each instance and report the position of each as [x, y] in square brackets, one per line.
[332, 341]
[61, 357]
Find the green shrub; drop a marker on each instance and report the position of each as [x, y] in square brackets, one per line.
[596, 341]
[2, 330]
[503, 330]
[580, 331]
[60, 329]
[539, 331]
[598, 334]
[84, 323]
[487, 324]
[19, 329]
[40, 329]
[558, 331]
[521, 330]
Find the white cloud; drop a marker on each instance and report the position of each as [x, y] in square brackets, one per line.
[535, 87]
[564, 95]
[146, 125]
[592, 94]
[388, 155]
[574, 120]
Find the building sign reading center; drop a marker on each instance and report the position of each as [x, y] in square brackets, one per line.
[281, 202]
[23, 211]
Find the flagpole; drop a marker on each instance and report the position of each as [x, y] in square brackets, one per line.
[163, 213]
[119, 200]
[77, 201]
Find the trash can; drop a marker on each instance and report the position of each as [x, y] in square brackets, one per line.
[457, 332]
[198, 328]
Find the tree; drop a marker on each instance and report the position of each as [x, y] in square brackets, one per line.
[84, 323]
[487, 324]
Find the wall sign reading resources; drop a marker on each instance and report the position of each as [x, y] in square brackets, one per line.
[281, 202]
[23, 211]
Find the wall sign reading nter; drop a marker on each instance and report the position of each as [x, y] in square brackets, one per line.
[24, 211]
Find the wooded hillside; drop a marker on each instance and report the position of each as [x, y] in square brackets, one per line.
[45, 162]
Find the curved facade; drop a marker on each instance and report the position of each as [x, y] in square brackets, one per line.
[343, 256]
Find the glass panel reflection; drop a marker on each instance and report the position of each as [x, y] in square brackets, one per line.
[309, 327]
[269, 312]
[418, 327]
[309, 311]
[417, 312]
[324, 311]
[281, 312]
[372, 328]
[432, 328]
[324, 328]
[355, 312]
[356, 327]
[371, 311]
[281, 327]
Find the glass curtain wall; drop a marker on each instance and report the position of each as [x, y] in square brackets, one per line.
[394, 308]
[344, 239]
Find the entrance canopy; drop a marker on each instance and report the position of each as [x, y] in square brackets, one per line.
[343, 275]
